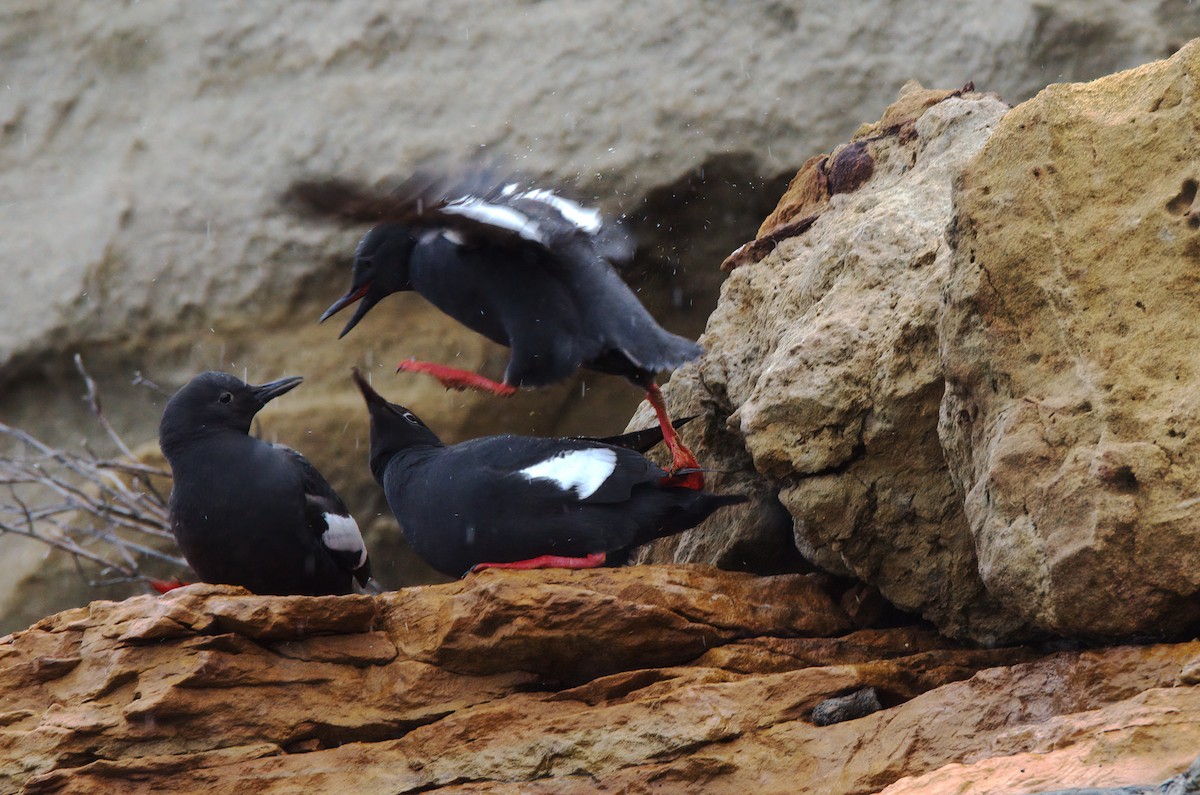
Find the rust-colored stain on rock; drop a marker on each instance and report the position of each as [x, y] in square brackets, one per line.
[845, 170]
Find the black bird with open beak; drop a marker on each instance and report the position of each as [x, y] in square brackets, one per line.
[521, 265]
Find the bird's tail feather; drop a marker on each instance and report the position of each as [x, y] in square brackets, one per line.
[662, 352]
[641, 441]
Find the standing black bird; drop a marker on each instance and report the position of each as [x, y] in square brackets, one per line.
[522, 266]
[522, 502]
[247, 512]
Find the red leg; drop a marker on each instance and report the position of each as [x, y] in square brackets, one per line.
[163, 586]
[681, 457]
[547, 562]
[453, 378]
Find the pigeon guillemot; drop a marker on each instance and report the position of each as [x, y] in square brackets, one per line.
[522, 502]
[247, 512]
[521, 265]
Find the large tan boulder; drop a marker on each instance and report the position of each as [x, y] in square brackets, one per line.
[961, 354]
[1071, 346]
[823, 361]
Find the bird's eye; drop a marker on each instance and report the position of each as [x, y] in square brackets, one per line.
[408, 415]
[225, 397]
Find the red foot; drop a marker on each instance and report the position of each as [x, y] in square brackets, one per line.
[453, 378]
[548, 562]
[682, 459]
[163, 586]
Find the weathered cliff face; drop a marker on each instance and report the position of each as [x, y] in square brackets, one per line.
[143, 148]
[959, 354]
[632, 680]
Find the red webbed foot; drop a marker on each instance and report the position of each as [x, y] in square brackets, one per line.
[453, 378]
[547, 562]
[165, 586]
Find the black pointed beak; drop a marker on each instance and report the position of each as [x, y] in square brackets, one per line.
[273, 389]
[373, 398]
[355, 294]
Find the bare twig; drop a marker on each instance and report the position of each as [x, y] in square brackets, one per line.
[93, 399]
[106, 513]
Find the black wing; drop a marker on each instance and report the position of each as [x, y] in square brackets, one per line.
[482, 204]
[331, 522]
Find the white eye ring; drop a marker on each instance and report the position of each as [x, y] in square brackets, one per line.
[408, 415]
[225, 397]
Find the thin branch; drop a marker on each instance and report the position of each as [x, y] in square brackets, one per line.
[93, 399]
[106, 513]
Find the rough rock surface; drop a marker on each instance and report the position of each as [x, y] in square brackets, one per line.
[1071, 346]
[823, 364]
[1186, 783]
[989, 424]
[629, 680]
[143, 147]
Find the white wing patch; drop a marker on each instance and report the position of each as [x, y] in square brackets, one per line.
[583, 471]
[343, 535]
[497, 215]
[585, 218]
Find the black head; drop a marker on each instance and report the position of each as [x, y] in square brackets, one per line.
[393, 428]
[214, 402]
[380, 269]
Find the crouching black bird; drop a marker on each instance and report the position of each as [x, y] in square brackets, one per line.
[521, 502]
[522, 266]
[250, 513]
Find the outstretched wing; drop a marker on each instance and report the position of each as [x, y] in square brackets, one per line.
[330, 520]
[482, 206]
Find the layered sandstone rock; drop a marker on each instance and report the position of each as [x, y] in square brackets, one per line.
[632, 680]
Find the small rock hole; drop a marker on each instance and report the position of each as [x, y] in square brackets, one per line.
[1182, 202]
[1123, 478]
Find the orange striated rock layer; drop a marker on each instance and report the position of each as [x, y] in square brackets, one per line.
[652, 678]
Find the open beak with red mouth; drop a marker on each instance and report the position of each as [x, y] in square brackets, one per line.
[355, 294]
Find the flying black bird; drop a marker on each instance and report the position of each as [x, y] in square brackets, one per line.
[522, 502]
[522, 266]
[247, 512]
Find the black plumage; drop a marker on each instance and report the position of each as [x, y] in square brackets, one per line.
[247, 512]
[521, 265]
[514, 500]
